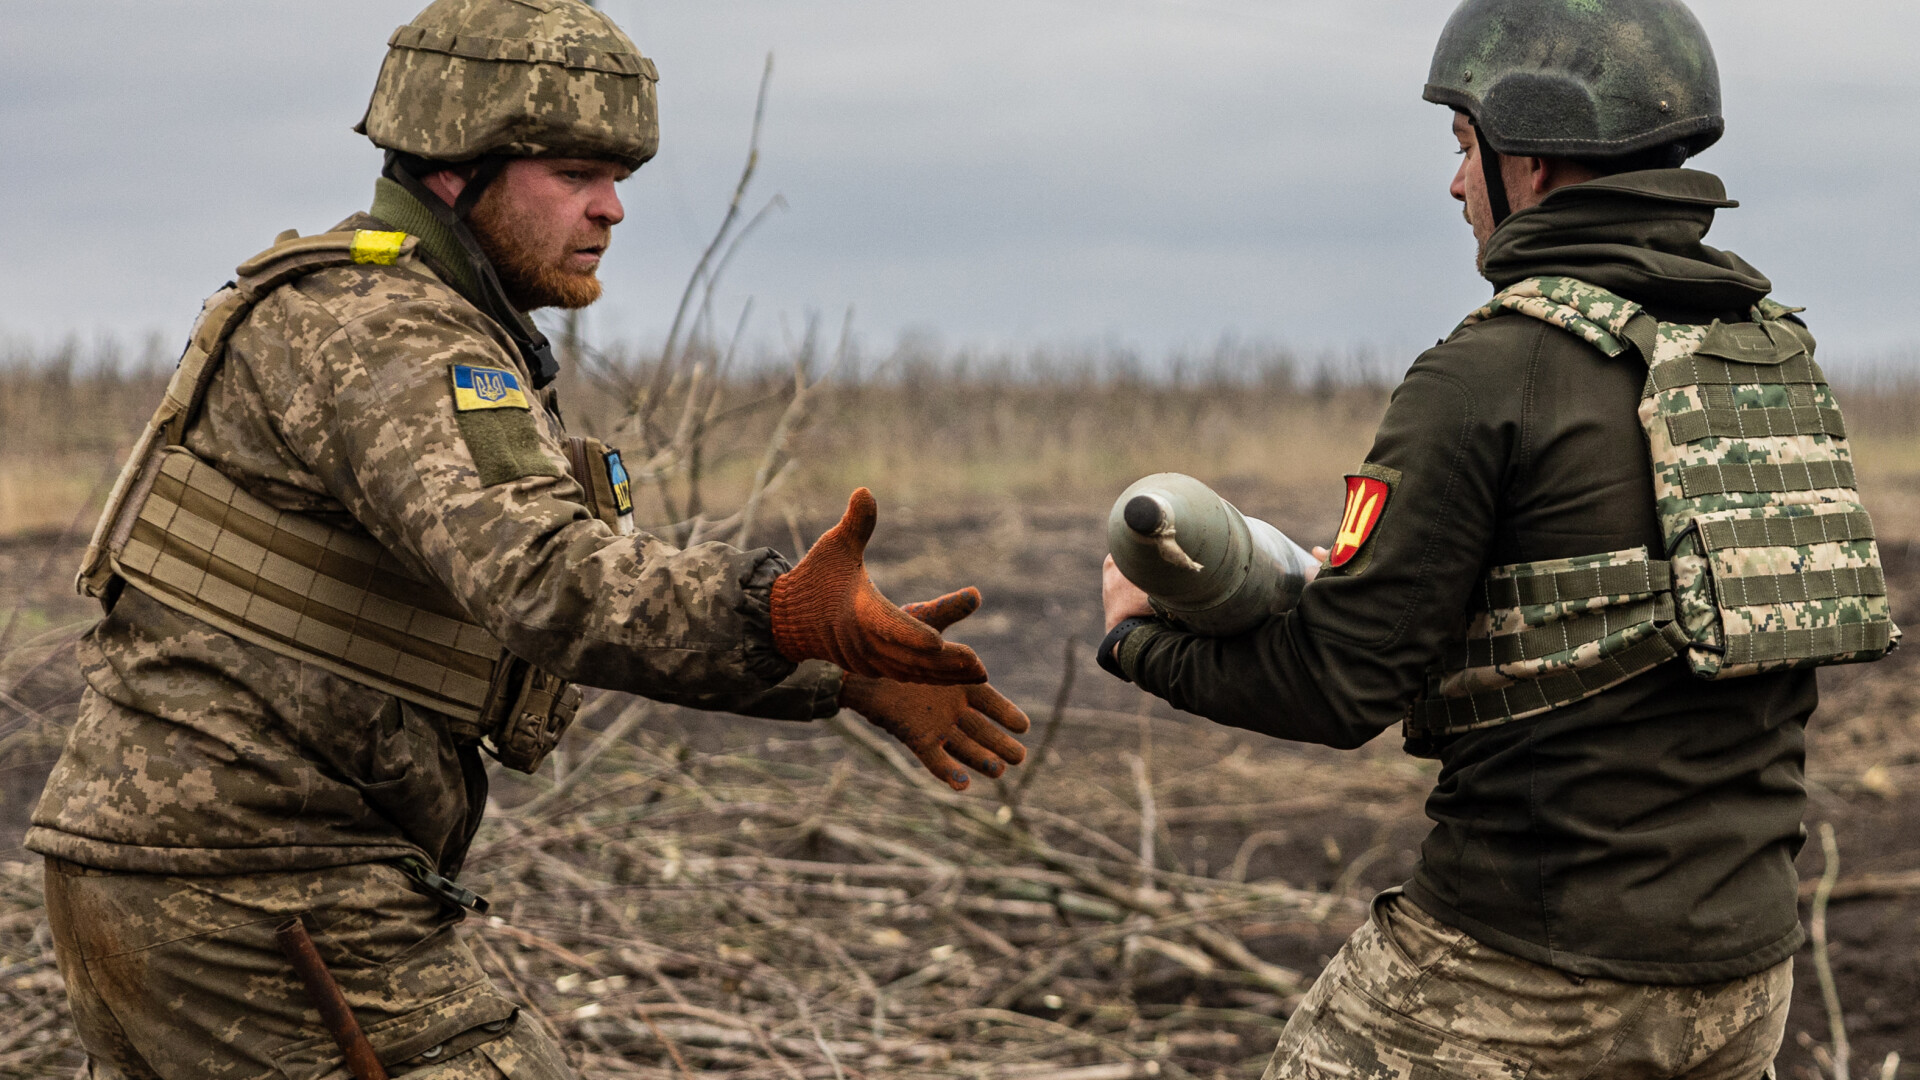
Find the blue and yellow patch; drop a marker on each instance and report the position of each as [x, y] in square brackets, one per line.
[622, 484]
[476, 388]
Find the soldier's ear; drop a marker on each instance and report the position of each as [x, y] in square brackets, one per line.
[446, 183]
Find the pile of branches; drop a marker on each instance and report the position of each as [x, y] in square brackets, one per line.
[817, 906]
[37, 1039]
[813, 905]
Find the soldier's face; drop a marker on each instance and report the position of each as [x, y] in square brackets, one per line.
[545, 223]
[1527, 180]
[1470, 186]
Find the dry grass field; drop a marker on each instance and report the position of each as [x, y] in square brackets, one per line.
[680, 893]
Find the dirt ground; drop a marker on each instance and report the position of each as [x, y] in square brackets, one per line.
[1863, 777]
[1038, 569]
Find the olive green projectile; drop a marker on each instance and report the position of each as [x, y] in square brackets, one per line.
[1206, 566]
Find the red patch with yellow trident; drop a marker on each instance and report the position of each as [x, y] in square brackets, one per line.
[1366, 498]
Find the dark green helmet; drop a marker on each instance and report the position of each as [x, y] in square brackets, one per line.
[1580, 78]
[514, 78]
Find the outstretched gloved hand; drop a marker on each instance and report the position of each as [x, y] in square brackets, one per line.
[826, 608]
[942, 723]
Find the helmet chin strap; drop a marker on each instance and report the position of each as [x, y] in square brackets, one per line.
[1496, 183]
[484, 174]
[534, 347]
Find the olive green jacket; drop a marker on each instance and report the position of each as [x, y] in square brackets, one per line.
[196, 752]
[1647, 833]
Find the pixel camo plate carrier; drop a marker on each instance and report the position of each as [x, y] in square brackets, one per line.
[179, 531]
[1770, 560]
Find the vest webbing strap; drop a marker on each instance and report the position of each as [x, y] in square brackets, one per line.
[177, 530]
[1754, 423]
[1489, 708]
[1725, 478]
[1772, 566]
[1705, 371]
[287, 260]
[1804, 587]
[1642, 578]
[1770, 645]
[1563, 635]
[291, 584]
[1786, 531]
[1798, 396]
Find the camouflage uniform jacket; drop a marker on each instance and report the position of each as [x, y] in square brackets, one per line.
[1644, 834]
[198, 753]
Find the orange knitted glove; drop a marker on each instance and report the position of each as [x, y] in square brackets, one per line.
[943, 611]
[941, 723]
[826, 608]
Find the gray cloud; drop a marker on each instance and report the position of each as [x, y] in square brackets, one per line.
[1017, 171]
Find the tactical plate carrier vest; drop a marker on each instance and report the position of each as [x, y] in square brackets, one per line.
[1770, 561]
[180, 532]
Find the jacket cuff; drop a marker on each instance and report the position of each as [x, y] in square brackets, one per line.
[1118, 652]
[762, 657]
[826, 695]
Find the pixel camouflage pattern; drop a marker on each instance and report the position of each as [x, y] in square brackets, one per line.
[1773, 562]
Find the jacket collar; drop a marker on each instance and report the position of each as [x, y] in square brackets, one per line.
[396, 206]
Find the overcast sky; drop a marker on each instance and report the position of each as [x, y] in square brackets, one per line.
[1000, 172]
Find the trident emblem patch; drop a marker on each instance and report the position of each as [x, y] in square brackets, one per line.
[489, 385]
[1366, 499]
[476, 388]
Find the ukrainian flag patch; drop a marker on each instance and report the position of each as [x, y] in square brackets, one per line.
[622, 484]
[477, 388]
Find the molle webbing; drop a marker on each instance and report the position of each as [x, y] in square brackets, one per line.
[291, 257]
[1542, 635]
[1529, 584]
[1700, 371]
[1730, 423]
[1803, 587]
[1765, 648]
[1791, 589]
[1757, 532]
[1439, 715]
[178, 530]
[1775, 565]
[1770, 561]
[1561, 636]
[289, 583]
[1726, 478]
[1722, 415]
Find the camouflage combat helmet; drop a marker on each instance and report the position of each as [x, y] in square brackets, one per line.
[1580, 78]
[514, 78]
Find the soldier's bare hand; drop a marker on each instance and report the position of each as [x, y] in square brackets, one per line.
[1121, 598]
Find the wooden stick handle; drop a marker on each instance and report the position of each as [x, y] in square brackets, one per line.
[325, 994]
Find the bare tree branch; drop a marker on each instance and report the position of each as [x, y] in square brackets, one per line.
[669, 357]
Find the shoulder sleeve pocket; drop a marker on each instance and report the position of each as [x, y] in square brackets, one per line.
[497, 424]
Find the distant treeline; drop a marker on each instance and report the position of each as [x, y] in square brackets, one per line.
[921, 421]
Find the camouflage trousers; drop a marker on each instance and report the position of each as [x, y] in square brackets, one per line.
[1408, 998]
[180, 978]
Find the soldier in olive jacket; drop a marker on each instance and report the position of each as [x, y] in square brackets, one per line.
[1608, 888]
